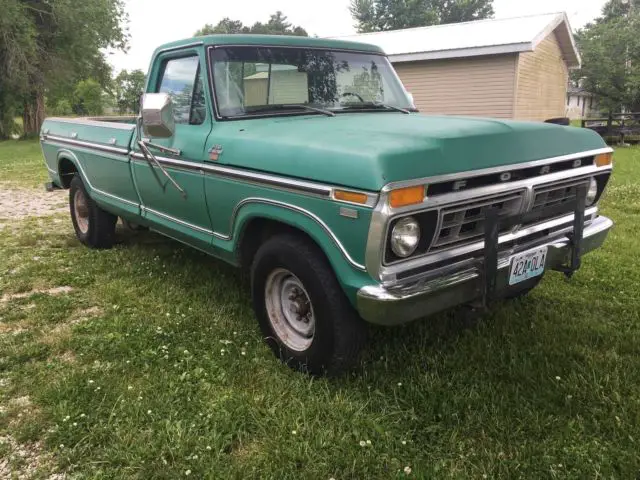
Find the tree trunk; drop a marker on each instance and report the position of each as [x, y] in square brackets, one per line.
[33, 114]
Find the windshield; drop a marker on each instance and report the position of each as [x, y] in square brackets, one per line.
[268, 80]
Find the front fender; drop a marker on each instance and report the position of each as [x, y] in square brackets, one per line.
[351, 274]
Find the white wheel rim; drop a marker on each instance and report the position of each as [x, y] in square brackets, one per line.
[289, 309]
[81, 211]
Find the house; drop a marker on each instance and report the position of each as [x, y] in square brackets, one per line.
[504, 68]
[581, 103]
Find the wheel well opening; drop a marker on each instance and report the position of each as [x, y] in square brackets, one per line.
[66, 170]
[257, 232]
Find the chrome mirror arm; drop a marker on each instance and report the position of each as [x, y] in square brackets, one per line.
[152, 160]
[163, 149]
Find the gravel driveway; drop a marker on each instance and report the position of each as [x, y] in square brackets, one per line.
[16, 203]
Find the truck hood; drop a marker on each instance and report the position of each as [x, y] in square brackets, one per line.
[368, 150]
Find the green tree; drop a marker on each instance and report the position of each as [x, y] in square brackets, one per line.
[88, 98]
[17, 48]
[224, 26]
[127, 88]
[53, 45]
[610, 49]
[277, 25]
[380, 15]
[61, 108]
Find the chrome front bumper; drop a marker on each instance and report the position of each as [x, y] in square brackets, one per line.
[461, 283]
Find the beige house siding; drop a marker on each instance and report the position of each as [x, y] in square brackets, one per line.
[286, 87]
[478, 86]
[541, 91]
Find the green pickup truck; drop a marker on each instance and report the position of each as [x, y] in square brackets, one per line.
[304, 161]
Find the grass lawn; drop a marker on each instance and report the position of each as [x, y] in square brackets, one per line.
[145, 361]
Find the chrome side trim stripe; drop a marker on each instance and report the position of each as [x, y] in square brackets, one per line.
[177, 220]
[275, 181]
[264, 201]
[79, 143]
[488, 171]
[96, 122]
[295, 208]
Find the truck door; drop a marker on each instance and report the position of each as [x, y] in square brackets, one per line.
[182, 214]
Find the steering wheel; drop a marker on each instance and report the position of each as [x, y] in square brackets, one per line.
[353, 94]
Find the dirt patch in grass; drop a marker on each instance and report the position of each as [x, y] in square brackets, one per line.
[25, 460]
[85, 314]
[16, 203]
[50, 291]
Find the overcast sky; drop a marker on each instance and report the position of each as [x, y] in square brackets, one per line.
[153, 22]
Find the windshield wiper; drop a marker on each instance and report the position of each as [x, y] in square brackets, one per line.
[287, 106]
[365, 105]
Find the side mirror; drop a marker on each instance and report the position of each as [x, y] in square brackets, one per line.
[410, 96]
[157, 115]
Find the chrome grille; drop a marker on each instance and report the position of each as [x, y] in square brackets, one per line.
[465, 222]
[552, 195]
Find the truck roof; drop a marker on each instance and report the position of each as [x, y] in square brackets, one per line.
[273, 40]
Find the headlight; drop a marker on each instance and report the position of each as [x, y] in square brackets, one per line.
[405, 237]
[592, 193]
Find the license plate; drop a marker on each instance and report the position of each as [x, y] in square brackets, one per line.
[527, 265]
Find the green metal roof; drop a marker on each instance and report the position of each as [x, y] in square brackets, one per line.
[273, 40]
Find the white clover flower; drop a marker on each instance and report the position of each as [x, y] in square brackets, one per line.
[399, 384]
[91, 381]
[363, 443]
[369, 442]
[75, 424]
[187, 472]
[208, 447]
[82, 415]
[293, 432]
[407, 470]
[558, 378]
[129, 387]
[62, 445]
[149, 412]
[404, 442]
[186, 352]
[243, 352]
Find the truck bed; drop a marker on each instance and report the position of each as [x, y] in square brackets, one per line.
[93, 143]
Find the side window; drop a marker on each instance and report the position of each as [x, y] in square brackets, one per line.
[182, 80]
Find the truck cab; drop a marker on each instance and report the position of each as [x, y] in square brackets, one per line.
[305, 162]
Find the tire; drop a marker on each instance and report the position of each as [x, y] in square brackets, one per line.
[330, 336]
[94, 227]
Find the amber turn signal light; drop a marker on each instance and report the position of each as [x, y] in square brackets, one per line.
[353, 197]
[406, 196]
[604, 159]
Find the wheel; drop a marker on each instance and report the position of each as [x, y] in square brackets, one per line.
[303, 313]
[524, 290]
[94, 227]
